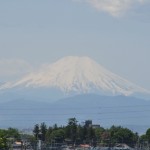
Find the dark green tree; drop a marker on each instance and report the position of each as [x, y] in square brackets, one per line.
[3, 139]
[55, 127]
[80, 134]
[71, 129]
[91, 137]
[98, 134]
[43, 129]
[48, 134]
[106, 138]
[148, 135]
[122, 135]
[14, 133]
[3, 143]
[36, 131]
[57, 135]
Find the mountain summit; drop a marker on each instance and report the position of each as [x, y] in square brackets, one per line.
[77, 75]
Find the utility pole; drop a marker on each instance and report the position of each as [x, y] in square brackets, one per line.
[39, 144]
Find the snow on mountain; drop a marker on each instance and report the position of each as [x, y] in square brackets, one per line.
[79, 75]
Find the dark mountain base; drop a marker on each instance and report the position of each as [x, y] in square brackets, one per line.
[103, 110]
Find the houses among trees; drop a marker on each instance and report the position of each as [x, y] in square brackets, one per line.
[73, 134]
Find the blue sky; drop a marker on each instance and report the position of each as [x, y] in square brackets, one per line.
[115, 33]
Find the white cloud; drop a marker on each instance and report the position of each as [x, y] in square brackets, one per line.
[114, 7]
[13, 68]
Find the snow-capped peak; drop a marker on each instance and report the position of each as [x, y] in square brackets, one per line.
[77, 74]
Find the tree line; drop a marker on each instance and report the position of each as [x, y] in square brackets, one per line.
[7, 136]
[75, 133]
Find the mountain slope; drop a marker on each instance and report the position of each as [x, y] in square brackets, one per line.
[103, 110]
[77, 75]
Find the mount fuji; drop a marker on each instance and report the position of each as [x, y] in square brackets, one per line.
[69, 76]
[73, 87]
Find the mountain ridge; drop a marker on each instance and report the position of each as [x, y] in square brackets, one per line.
[77, 75]
[103, 110]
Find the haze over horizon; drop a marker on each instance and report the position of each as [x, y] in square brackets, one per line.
[115, 34]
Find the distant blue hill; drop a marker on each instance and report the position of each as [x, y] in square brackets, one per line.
[103, 110]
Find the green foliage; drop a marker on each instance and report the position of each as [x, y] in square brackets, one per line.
[148, 134]
[74, 133]
[105, 137]
[55, 127]
[36, 131]
[48, 134]
[7, 134]
[14, 133]
[3, 143]
[43, 129]
[3, 133]
[143, 138]
[98, 133]
[122, 135]
[57, 135]
[71, 129]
